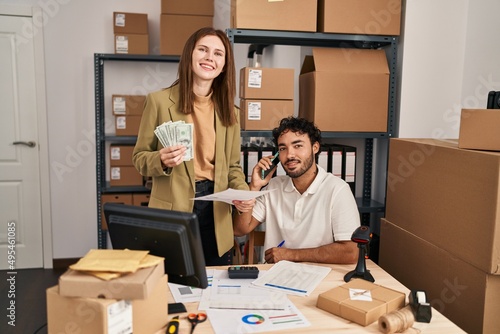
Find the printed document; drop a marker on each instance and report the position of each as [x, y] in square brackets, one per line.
[292, 278]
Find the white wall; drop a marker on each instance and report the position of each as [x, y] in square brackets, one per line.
[449, 55]
[450, 61]
[73, 31]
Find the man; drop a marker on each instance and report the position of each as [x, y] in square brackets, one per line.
[313, 212]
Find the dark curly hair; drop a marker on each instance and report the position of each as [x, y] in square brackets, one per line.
[300, 125]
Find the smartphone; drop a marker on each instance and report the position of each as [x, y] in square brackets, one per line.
[274, 162]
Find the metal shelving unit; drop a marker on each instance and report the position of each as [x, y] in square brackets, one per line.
[365, 203]
[103, 187]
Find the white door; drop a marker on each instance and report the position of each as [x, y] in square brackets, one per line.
[20, 197]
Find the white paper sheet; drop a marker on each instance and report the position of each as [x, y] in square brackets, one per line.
[227, 293]
[188, 294]
[230, 195]
[256, 321]
[292, 278]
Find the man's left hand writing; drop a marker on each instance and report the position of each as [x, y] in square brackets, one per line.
[276, 254]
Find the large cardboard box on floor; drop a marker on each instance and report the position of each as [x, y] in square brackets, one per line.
[364, 309]
[102, 316]
[176, 29]
[266, 83]
[362, 17]
[292, 15]
[138, 285]
[188, 7]
[263, 114]
[345, 91]
[447, 196]
[466, 295]
[480, 129]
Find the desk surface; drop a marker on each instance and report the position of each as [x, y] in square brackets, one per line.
[324, 322]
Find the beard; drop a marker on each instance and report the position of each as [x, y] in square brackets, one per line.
[304, 167]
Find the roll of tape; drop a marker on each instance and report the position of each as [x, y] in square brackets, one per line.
[421, 297]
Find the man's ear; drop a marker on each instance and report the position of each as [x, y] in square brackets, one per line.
[316, 147]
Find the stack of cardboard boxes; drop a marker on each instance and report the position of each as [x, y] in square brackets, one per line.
[441, 232]
[131, 33]
[381, 17]
[179, 19]
[136, 303]
[340, 89]
[128, 112]
[266, 96]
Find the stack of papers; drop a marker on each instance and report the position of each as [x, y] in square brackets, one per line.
[255, 306]
[292, 278]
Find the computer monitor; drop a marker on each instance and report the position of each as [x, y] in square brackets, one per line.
[170, 234]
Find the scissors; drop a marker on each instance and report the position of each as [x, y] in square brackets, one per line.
[195, 319]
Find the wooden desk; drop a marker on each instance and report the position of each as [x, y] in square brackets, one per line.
[324, 322]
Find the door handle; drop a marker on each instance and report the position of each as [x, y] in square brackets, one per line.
[29, 143]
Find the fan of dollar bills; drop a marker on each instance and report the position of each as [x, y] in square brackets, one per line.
[174, 133]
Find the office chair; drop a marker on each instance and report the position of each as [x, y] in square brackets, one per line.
[255, 239]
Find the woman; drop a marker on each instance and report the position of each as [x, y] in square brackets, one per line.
[202, 95]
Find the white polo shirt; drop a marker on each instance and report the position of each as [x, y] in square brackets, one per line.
[324, 213]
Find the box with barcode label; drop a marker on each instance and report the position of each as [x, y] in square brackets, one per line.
[263, 114]
[267, 83]
[100, 315]
[361, 301]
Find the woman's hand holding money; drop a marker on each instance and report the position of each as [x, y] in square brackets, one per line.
[172, 156]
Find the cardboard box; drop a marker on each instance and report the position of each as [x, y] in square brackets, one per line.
[480, 129]
[98, 315]
[188, 7]
[176, 29]
[138, 285]
[140, 199]
[342, 91]
[125, 176]
[464, 294]
[266, 83]
[132, 44]
[292, 15]
[127, 125]
[120, 155]
[128, 104]
[130, 23]
[113, 198]
[263, 114]
[362, 309]
[362, 17]
[447, 196]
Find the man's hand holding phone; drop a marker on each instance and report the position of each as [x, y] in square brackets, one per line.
[274, 162]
